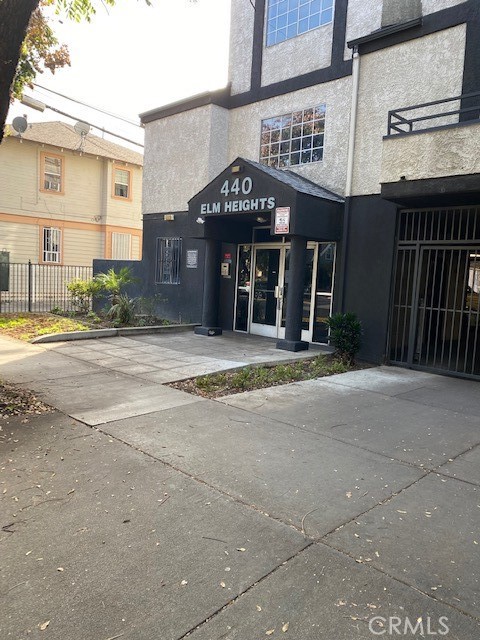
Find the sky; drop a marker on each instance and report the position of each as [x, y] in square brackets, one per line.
[132, 58]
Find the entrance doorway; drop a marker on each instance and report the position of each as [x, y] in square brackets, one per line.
[436, 311]
[263, 281]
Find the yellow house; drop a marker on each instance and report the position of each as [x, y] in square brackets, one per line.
[67, 199]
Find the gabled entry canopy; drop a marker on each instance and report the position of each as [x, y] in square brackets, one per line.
[247, 194]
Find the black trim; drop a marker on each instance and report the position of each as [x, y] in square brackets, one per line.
[459, 189]
[468, 12]
[431, 23]
[471, 68]
[221, 97]
[384, 32]
[257, 50]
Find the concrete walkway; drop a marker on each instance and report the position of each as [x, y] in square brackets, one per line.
[316, 510]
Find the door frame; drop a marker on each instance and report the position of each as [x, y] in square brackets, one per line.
[277, 331]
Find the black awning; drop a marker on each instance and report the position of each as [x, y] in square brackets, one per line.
[248, 193]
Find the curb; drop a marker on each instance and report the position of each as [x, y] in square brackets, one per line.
[111, 333]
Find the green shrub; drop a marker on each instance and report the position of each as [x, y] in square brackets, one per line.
[82, 292]
[123, 310]
[345, 335]
[114, 282]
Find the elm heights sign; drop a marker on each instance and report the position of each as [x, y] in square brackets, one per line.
[235, 199]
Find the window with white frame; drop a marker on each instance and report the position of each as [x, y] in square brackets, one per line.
[289, 18]
[52, 173]
[121, 246]
[169, 252]
[51, 244]
[294, 138]
[121, 187]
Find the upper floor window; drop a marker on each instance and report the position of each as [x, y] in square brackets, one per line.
[169, 251]
[51, 243]
[121, 183]
[294, 138]
[289, 18]
[52, 173]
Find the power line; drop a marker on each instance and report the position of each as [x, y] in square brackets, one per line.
[84, 104]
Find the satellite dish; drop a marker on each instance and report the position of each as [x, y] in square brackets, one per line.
[82, 128]
[20, 124]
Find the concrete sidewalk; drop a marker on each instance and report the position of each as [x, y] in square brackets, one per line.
[309, 509]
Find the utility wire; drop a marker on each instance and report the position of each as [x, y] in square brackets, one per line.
[84, 104]
[68, 115]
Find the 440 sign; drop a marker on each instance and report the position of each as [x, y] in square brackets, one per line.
[236, 200]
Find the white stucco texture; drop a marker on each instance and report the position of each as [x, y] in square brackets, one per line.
[435, 154]
[362, 18]
[245, 126]
[411, 73]
[241, 44]
[294, 57]
[430, 6]
[182, 154]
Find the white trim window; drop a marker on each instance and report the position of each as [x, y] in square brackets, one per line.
[52, 173]
[122, 183]
[169, 252]
[121, 246]
[290, 18]
[52, 238]
[294, 138]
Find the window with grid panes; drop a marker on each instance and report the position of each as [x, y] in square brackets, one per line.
[122, 183]
[289, 18]
[294, 138]
[52, 173]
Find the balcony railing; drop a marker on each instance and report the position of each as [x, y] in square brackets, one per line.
[435, 114]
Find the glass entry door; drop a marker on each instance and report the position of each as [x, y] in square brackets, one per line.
[267, 291]
[271, 274]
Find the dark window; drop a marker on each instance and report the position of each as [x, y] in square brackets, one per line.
[169, 251]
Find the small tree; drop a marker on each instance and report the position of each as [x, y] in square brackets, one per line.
[345, 335]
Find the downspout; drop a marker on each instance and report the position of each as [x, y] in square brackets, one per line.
[350, 167]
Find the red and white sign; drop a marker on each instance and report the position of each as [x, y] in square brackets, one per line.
[282, 220]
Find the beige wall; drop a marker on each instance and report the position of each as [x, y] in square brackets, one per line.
[84, 211]
[307, 52]
[245, 125]
[395, 78]
[183, 153]
[241, 43]
[422, 155]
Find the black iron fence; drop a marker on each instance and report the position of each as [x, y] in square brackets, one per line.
[440, 113]
[27, 287]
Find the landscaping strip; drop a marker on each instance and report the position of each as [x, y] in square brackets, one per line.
[253, 377]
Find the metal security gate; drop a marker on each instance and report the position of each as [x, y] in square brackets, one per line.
[435, 320]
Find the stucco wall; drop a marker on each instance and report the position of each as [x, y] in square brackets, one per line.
[291, 58]
[182, 154]
[430, 6]
[421, 156]
[245, 126]
[394, 78]
[241, 43]
[362, 18]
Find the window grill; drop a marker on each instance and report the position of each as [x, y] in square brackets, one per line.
[168, 258]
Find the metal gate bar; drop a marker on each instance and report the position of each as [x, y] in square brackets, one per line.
[435, 312]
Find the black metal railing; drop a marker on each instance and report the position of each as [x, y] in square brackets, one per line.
[431, 114]
[33, 288]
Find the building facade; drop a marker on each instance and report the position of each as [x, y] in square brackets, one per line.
[67, 199]
[338, 171]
